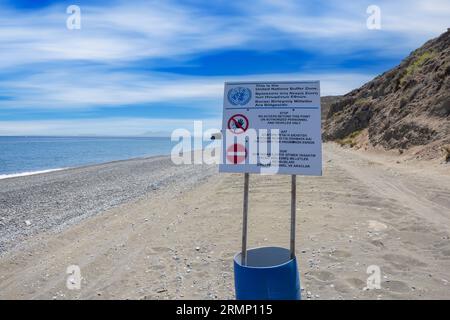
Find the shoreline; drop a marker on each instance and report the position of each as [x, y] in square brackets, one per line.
[53, 200]
[42, 171]
[36, 163]
[31, 173]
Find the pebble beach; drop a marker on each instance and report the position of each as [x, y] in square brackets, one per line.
[55, 200]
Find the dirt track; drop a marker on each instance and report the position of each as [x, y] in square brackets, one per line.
[366, 210]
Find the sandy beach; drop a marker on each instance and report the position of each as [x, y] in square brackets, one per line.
[147, 229]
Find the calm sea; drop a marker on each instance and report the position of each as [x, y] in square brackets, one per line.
[20, 155]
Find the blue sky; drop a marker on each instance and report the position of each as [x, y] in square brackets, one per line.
[139, 67]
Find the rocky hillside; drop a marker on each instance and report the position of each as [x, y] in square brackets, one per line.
[405, 108]
[326, 102]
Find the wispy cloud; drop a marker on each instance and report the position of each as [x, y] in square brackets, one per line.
[99, 87]
[127, 31]
[112, 60]
[135, 30]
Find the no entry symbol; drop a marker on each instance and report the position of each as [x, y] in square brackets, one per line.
[236, 153]
[238, 123]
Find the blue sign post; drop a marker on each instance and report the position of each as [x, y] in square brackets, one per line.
[267, 273]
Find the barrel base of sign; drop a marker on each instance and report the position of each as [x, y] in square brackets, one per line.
[269, 274]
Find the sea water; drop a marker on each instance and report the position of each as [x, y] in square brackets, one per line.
[28, 155]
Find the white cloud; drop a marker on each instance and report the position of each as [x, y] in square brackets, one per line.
[416, 19]
[178, 88]
[90, 87]
[127, 30]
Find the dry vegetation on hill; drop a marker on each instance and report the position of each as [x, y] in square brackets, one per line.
[406, 108]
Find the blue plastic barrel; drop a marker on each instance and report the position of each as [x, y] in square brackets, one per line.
[270, 274]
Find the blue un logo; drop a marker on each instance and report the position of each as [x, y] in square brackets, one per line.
[239, 96]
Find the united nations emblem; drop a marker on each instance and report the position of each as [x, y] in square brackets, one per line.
[239, 96]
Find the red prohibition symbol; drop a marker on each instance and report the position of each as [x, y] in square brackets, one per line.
[238, 123]
[236, 153]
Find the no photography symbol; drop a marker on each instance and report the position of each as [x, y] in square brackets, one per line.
[238, 123]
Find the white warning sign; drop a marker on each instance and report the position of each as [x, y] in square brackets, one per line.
[272, 127]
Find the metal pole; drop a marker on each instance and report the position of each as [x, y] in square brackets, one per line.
[293, 213]
[244, 221]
